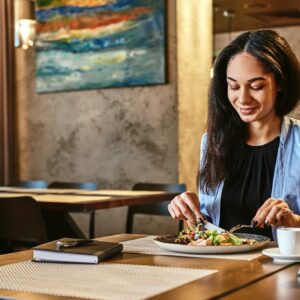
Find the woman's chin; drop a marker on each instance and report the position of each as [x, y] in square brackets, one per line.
[247, 119]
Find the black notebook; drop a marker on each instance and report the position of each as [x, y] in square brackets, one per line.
[90, 253]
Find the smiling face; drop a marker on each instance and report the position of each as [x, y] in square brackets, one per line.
[252, 90]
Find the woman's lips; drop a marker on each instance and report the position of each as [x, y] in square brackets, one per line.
[247, 111]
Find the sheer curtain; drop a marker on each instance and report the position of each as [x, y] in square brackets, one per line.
[7, 93]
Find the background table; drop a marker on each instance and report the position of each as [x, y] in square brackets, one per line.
[235, 280]
[57, 203]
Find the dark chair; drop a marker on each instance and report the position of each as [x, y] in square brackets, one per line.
[92, 186]
[159, 208]
[21, 223]
[30, 184]
[73, 185]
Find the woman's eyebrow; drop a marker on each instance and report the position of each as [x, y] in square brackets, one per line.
[250, 80]
[231, 79]
[255, 79]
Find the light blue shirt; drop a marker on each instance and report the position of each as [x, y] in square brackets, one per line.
[286, 179]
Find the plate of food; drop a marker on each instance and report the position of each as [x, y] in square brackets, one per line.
[211, 242]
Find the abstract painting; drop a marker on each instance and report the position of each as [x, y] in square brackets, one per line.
[91, 44]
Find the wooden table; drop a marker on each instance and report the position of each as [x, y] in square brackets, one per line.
[57, 203]
[256, 279]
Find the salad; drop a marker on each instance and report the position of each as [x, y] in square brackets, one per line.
[210, 238]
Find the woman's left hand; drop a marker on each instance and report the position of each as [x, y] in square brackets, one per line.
[275, 212]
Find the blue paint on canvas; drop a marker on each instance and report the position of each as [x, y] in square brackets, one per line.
[118, 43]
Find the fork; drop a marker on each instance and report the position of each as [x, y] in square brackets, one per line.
[239, 226]
[252, 225]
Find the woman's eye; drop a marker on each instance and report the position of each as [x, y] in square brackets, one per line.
[233, 87]
[257, 88]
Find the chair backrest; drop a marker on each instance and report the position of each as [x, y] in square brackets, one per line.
[159, 208]
[166, 187]
[21, 221]
[73, 185]
[31, 184]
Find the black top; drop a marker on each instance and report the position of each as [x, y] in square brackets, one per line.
[249, 186]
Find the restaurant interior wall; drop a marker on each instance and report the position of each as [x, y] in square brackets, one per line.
[115, 137]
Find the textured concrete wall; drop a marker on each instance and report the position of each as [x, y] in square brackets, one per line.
[115, 137]
[291, 34]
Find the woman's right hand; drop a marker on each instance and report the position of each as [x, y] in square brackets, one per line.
[185, 206]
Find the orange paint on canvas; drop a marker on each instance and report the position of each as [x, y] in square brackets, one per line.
[91, 22]
[79, 3]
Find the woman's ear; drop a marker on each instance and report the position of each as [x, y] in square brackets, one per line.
[279, 87]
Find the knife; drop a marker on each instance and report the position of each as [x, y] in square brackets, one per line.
[207, 225]
[211, 226]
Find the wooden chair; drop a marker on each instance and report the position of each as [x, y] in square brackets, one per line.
[30, 184]
[160, 208]
[21, 223]
[92, 186]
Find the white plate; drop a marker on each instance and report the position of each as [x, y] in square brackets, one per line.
[168, 242]
[275, 253]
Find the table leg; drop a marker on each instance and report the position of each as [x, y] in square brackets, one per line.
[92, 225]
[60, 224]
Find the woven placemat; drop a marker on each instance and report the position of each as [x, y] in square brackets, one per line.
[147, 246]
[102, 281]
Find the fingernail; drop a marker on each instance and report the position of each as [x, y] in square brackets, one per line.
[254, 223]
[267, 223]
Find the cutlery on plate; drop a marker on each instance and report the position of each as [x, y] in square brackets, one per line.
[239, 226]
[207, 225]
[200, 223]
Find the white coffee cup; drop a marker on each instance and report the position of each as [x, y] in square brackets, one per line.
[289, 240]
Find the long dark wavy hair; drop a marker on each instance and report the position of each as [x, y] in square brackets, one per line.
[226, 132]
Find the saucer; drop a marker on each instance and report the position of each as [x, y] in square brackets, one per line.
[275, 253]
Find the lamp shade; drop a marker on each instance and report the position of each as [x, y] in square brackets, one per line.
[24, 23]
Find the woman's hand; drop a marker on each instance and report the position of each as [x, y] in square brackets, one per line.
[185, 206]
[275, 212]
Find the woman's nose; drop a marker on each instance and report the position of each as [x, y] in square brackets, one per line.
[244, 96]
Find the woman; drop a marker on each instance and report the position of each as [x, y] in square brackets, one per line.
[250, 155]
